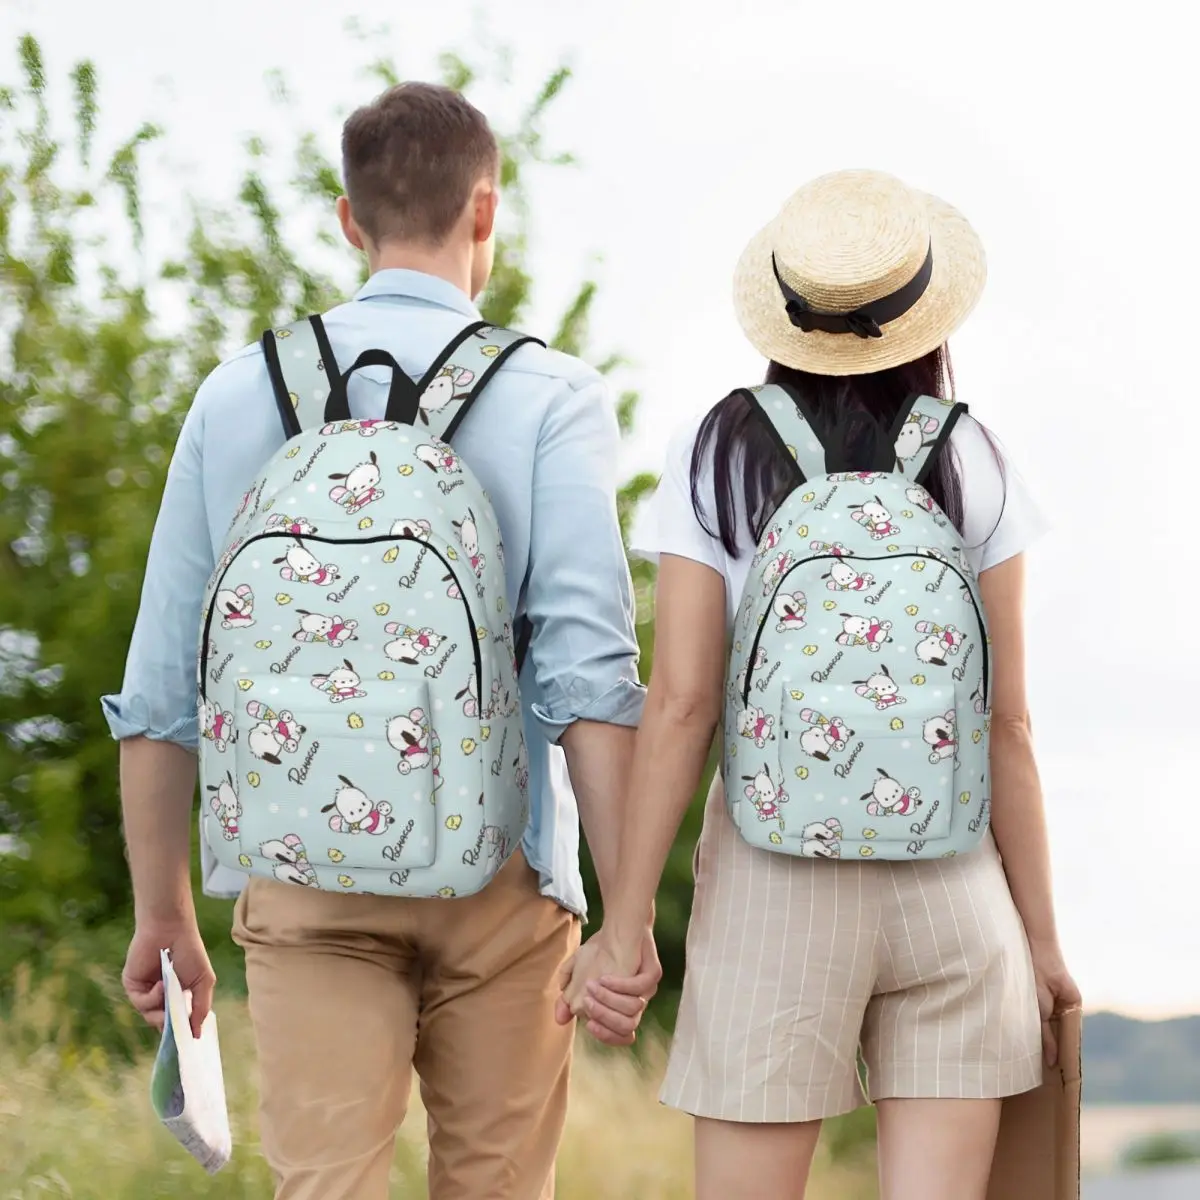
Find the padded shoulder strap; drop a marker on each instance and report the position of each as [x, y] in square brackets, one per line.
[787, 416]
[303, 373]
[923, 427]
[460, 373]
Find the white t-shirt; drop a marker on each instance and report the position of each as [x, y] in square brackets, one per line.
[1000, 517]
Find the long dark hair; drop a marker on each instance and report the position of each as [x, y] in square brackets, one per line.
[855, 412]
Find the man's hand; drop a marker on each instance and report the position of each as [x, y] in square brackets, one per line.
[142, 977]
[609, 987]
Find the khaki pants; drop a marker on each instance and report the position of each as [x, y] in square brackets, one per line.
[349, 993]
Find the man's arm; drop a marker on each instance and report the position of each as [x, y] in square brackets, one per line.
[579, 597]
[154, 716]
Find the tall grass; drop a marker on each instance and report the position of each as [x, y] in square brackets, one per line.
[76, 1122]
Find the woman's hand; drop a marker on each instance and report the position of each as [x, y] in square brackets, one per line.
[608, 985]
[1056, 991]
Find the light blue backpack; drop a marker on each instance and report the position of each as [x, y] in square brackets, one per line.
[857, 700]
[360, 720]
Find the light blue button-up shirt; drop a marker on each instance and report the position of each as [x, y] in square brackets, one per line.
[543, 441]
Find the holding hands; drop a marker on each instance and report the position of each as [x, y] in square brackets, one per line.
[607, 984]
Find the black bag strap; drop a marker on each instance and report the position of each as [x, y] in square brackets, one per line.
[311, 392]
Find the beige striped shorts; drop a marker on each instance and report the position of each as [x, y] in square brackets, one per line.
[795, 966]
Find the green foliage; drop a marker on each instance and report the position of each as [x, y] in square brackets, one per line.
[1163, 1149]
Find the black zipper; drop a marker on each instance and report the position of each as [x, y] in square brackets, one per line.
[309, 537]
[868, 558]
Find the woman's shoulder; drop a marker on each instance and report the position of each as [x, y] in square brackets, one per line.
[1001, 518]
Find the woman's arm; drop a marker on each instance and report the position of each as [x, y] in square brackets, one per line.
[683, 708]
[1018, 814]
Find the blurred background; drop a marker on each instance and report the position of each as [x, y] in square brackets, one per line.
[166, 190]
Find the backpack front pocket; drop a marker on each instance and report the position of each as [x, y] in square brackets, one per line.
[879, 768]
[360, 794]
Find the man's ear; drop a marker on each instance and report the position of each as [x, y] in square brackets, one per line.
[350, 229]
[486, 199]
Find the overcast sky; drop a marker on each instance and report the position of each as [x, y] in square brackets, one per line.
[1066, 136]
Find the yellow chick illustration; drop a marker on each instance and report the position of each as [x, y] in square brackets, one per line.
[244, 859]
[454, 821]
[335, 855]
[896, 724]
[262, 644]
[365, 523]
[810, 650]
[355, 721]
[345, 881]
[468, 746]
[253, 778]
[387, 676]
[245, 684]
[390, 556]
[383, 609]
[282, 598]
[801, 772]
[405, 469]
[912, 610]
[775, 839]
[918, 679]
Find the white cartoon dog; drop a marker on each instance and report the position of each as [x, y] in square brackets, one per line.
[226, 806]
[755, 724]
[218, 725]
[409, 737]
[236, 607]
[410, 644]
[342, 683]
[940, 641]
[875, 519]
[275, 732]
[355, 812]
[825, 734]
[766, 797]
[864, 631]
[844, 578]
[317, 627]
[441, 390]
[358, 487]
[887, 798]
[941, 737]
[821, 839]
[881, 689]
[299, 566]
[791, 608]
[439, 458]
[291, 860]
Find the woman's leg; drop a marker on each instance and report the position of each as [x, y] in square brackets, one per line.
[936, 1149]
[738, 1160]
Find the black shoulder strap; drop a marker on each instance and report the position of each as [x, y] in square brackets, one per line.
[304, 374]
[786, 416]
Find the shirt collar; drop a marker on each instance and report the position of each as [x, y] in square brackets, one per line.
[416, 285]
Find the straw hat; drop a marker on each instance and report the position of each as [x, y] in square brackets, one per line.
[857, 273]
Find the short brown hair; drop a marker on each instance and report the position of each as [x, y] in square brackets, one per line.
[410, 159]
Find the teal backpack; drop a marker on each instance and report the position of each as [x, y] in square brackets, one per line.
[360, 720]
[857, 699]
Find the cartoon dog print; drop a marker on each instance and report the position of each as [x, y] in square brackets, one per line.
[767, 543]
[469, 697]
[342, 683]
[217, 725]
[409, 737]
[978, 703]
[236, 607]
[760, 660]
[763, 793]
[291, 860]
[411, 644]
[317, 627]
[275, 732]
[411, 527]
[299, 566]
[776, 569]
[442, 390]
[857, 476]
[226, 806]
[940, 641]
[503, 703]
[468, 536]
[357, 487]
[875, 519]
[755, 724]
[918, 497]
[297, 526]
[836, 549]
[439, 458]
[821, 839]
[521, 766]
[864, 631]
[453, 591]
[355, 812]
[911, 439]
[367, 428]
[888, 799]
[825, 734]
[791, 608]
[881, 689]
[844, 578]
[941, 737]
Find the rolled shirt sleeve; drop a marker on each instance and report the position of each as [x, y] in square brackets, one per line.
[158, 694]
[579, 595]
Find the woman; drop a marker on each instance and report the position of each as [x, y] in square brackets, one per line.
[936, 970]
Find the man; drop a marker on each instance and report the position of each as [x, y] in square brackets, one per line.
[349, 993]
